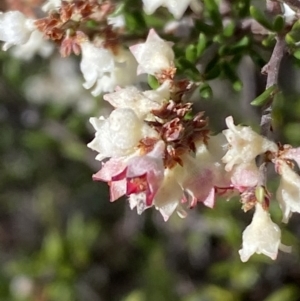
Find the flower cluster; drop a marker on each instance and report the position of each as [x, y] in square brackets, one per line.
[158, 155]
[153, 147]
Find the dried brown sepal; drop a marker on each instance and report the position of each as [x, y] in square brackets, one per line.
[146, 145]
[71, 17]
[178, 131]
[109, 39]
[249, 200]
[51, 27]
[166, 74]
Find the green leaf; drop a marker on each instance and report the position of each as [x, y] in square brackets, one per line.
[243, 8]
[278, 23]
[191, 53]
[205, 91]
[188, 68]
[200, 26]
[265, 96]
[213, 73]
[153, 82]
[294, 35]
[260, 18]
[213, 10]
[229, 29]
[135, 21]
[201, 46]
[229, 71]
[237, 85]
[296, 26]
[288, 292]
[269, 41]
[234, 49]
[297, 54]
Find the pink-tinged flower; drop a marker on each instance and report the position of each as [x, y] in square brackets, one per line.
[175, 7]
[197, 179]
[141, 102]
[169, 195]
[290, 153]
[217, 147]
[288, 192]
[109, 170]
[262, 236]
[138, 177]
[155, 56]
[119, 134]
[244, 175]
[15, 28]
[244, 144]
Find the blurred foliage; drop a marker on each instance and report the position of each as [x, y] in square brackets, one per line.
[61, 239]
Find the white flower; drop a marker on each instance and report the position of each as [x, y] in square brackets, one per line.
[119, 134]
[245, 175]
[103, 70]
[288, 192]
[116, 21]
[245, 144]
[141, 102]
[35, 45]
[15, 28]
[169, 195]
[175, 7]
[180, 28]
[262, 236]
[123, 74]
[153, 56]
[51, 5]
[94, 62]
[289, 15]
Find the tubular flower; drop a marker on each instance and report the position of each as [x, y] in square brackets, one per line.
[262, 236]
[155, 56]
[169, 195]
[141, 102]
[138, 177]
[103, 70]
[119, 134]
[51, 5]
[95, 62]
[15, 28]
[244, 175]
[288, 192]
[245, 144]
[35, 45]
[175, 7]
